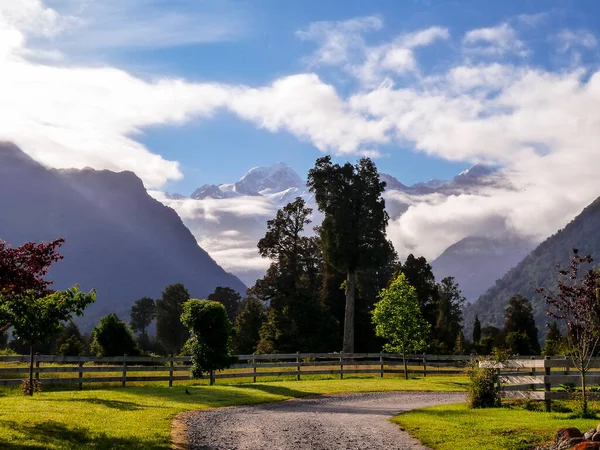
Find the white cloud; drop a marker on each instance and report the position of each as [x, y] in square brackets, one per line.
[498, 40]
[576, 38]
[533, 20]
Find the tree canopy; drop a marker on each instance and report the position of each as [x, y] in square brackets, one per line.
[170, 332]
[112, 337]
[143, 312]
[230, 299]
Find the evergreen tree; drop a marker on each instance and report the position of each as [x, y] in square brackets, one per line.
[229, 298]
[419, 275]
[554, 341]
[353, 229]
[520, 333]
[449, 315]
[143, 312]
[69, 341]
[248, 323]
[112, 337]
[476, 330]
[170, 332]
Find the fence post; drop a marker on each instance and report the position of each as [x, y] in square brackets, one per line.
[341, 368]
[547, 384]
[80, 376]
[380, 365]
[424, 366]
[171, 364]
[254, 368]
[124, 378]
[567, 368]
[533, 373]
[37, 365]
[298, 365]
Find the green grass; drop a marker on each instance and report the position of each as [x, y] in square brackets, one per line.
[140, 417]
[451, 427]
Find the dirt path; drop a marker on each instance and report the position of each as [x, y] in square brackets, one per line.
[353, 421]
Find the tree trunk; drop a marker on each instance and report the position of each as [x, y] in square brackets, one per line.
[584, 393]
[348, 345]
[405, 366]
[212, 377]
[31, 369]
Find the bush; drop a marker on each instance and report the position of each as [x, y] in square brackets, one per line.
[112, 337]
[482, 390]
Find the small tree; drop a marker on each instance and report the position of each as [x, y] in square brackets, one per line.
[143, 312]
[112, 337]
[35, 319]
[576, 303]
[398, 319]
[211, 333]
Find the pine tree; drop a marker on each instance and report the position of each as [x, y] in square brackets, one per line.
[170, 332]
[476, 330]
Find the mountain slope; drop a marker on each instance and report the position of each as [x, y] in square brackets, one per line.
[120, 240]
[538, 269]
[477, 262]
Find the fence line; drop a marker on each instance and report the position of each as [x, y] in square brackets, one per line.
[128, 368]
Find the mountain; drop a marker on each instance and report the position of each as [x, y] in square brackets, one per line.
[538, 269]
[119, 240]
[476, 262]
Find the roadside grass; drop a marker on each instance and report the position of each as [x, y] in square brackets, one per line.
[451, 427]
[140, 417]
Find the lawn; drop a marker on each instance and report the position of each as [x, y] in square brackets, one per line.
[452, 427]
[140, 417]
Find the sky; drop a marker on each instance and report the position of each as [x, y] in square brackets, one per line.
[191, 92]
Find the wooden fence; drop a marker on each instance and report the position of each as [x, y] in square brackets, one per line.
[538, 378]
[123, 369]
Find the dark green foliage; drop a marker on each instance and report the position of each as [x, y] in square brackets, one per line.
[539, 269]
[211, 333]
[112, 337]
[70, 342]
[448, 325]
[353, 230]
[3, 339]
[420, 276]
[476, 330]
[229, 298]
[554, 341]
[170, 332]
[250, 319]
[481, 390]
[520, 334]
[143, 312]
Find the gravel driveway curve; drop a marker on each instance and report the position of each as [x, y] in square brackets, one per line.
[352, 421]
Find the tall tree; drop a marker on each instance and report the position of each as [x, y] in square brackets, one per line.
[229, 298]
[520, 332]
[247, 325]
[291, 284]
[112, 337]
[448, 324]
[576, 304]
[398, 319]
[554, 341]
[419, 275]
[476, 330]
[170, 332]
[143, 312]
[210, 336]
[353, 229]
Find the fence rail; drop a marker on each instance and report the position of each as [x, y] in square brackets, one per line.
[124, 369]
[541, 379]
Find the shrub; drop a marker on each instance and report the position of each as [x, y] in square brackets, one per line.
[482, 389]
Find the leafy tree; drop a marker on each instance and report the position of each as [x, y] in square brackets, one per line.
[211, 334]
[576, 304]
[112, 337]
[247, 325]
[398, 319]
[229, 298]
[476, 330]
[69, 341]
[35, 318]
[353, 229]
[520, 325]
[554, 341]
[170, 332]
[143, 312]
[449, 306]
[419, 275]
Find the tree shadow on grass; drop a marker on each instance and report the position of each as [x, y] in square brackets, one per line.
[58, 435]
[277, 390]
[113, 404]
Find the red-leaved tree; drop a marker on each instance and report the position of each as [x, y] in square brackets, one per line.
[576, 303]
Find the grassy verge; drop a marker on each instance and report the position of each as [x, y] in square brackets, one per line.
[451, 427]
[140, 417]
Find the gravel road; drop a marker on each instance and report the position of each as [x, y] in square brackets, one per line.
[353, 421]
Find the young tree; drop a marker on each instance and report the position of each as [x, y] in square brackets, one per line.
[520, 333]
[229, 298]
[476, 331]
[576, 304]
[211, 334]
[143, 312]
[112, 337]
[35, 318]
[398, 319]
[353, 229]
[247, 325]
[170, 332]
